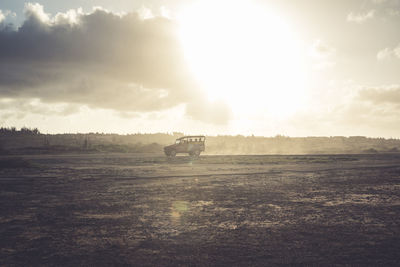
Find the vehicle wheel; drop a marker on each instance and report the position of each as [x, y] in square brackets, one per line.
[172, 153]
[196, 153]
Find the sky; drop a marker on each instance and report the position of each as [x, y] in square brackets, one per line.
[295, 68]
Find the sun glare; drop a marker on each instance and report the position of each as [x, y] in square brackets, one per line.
[245, 55]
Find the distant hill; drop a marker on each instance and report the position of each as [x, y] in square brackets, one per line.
[25, 140]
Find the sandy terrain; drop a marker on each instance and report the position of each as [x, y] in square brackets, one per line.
[146, 210]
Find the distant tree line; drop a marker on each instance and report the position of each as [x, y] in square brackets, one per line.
[22, 131]
[12, 139]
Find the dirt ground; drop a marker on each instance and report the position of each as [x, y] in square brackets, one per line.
[146, 210]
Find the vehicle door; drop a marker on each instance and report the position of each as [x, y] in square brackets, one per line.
[182, 147]
[202, 143]
[192, 145]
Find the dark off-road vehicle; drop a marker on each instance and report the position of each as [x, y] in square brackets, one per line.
[193, 145]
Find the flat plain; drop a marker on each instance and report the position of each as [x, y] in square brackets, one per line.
[148, 210]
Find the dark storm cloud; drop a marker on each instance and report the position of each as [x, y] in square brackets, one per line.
[131, 48]
[100, 59]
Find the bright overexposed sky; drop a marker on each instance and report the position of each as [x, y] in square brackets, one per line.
[310, 68]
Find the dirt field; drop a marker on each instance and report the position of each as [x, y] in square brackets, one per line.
[123, 209]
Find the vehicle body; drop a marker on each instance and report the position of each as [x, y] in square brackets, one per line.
[193, 145]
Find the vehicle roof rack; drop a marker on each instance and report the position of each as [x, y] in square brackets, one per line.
[192, 136]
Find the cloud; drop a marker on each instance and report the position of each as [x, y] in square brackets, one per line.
[321, 50]
[35, 12]
[348, 108]
[386, 3]
[19, 108]
[322, 54]
[379, 1]
[2, 16]
[388, 7]
[122, 62]
[382, 95]
[384, 54]
[388, 53]
[360, 18]
[145, 13]
[373, 109]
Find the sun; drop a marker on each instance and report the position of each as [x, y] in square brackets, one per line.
[245, 55]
